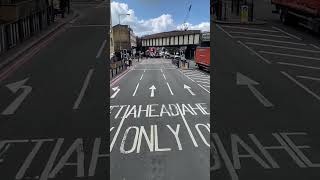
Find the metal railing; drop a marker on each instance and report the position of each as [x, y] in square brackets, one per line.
[16, 32]
[226, 9]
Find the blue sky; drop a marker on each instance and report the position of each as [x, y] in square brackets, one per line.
[152, 16]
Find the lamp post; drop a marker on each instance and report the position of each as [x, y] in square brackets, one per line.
[119, 16]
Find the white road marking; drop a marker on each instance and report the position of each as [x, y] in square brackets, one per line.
[254, 52]
[141, 77]
[310, 78]
[83, 89]
[204, 82]
[119, 127]
[170, 89]
[187, 126]
[164, 77]
[152, 88]
[254, 29]
[201, 78]
[144, 70]
[317, 47]
[186, 76]
[117, 90]
[101, 48]
[135, 91]
[189, 89]
[161, 70]
[289, 55]
[151, 69]
[270, 40]
[199, 75]
[204, 88]
[298, 65]
[260, 34]
[14, 87]
[282, 47]
[301, 85]
[291, 35]
[224, 31]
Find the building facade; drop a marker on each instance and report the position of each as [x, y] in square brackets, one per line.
[123, 38]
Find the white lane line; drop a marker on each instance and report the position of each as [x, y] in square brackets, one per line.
[144, 70]
[170, 89]
[161, 70]
[135, 91]
[254, 29]
[317, 47]
[204, 88]
[282, 47]
[298, 65]
[301, 85]
[224, 31]
[198, 75]
[260, 34]
[101, 48]
[204, 82]
[151, 69]
[270, 40]
[289, 55]
[164, 77]
[310, 78]
[254, 52]
[141, 77]
[83, 89]
[291, 35]
[201, 78]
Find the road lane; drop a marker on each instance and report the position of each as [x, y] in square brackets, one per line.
[159, 132]
[39, 140]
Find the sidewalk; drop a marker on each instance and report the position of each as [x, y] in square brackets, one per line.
[11, 55]
[120, 71]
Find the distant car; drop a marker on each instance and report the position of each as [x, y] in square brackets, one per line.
[177, 57]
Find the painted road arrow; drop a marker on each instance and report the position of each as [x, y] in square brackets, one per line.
[244, 80]
[116, 89]
[189, 89]
[152, 90]
[14, 87]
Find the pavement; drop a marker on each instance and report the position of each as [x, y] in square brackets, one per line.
[266, 123]
[159, 122]
[52, 111]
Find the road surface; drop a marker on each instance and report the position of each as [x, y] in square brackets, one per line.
[267, 101]
[159, 126]
[52, 111]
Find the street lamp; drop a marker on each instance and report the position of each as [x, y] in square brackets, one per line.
[119, 16]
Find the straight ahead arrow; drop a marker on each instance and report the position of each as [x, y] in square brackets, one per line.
[189, 89]
[116, 89]
[244, 80]
[152, 90]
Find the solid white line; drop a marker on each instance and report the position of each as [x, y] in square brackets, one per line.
[83, 89]
[199, 75]
[270, 40]
[201, 78]
[141, 77]
[144, 70]
[301, 85]
[101, 48]
[291, 35]
[134, 93]
[317, 47]
[169, 89]
[204, 88]
[203, 82]
[254, 52]
[289, 55]
[310, 78]
[224, 31]
[254, 29]
[161, 70]
[283, 47]
[164, 77]
[298, 65]
[260, 34]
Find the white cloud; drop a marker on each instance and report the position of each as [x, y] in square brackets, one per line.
[140, 27]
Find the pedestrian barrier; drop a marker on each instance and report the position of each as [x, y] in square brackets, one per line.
[117, 67]
[13, 33]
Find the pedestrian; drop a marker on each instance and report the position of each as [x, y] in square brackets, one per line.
[63, 5]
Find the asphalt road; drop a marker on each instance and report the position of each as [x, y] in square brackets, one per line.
[159, 123]
[52, 111]
[266, 123]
